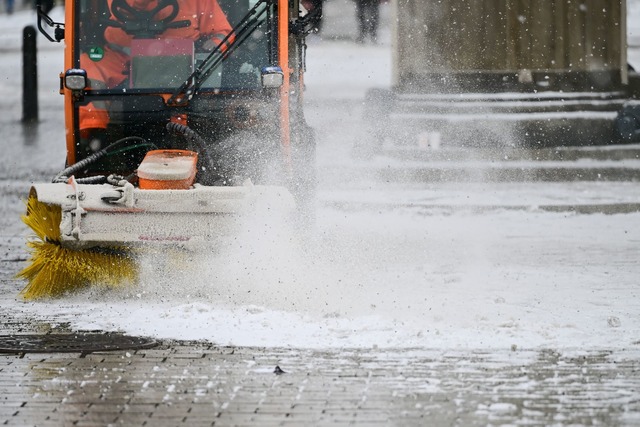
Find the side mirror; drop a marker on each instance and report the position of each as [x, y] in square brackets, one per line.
[272, 77]
[58, 28]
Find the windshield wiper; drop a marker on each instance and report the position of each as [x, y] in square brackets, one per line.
[233, 40]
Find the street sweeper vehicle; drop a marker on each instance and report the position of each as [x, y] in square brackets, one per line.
[181, 116]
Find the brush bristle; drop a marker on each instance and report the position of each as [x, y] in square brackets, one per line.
[55, 270]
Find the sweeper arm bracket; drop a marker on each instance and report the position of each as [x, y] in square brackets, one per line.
[120, 196]
[196, 216]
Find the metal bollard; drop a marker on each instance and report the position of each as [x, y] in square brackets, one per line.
[29, 76]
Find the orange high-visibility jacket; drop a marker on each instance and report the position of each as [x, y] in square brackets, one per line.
[205, 16]
[207, 21]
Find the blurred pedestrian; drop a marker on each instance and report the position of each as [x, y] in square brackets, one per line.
[368, 13]
[9, 4]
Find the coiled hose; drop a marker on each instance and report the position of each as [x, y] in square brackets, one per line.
[64, 175]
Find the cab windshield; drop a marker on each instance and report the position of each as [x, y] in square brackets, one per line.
[151, 45]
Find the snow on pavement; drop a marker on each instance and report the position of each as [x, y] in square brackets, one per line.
[392, 279]
[387, 278]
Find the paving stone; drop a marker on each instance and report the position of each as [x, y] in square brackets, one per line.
[176, 385]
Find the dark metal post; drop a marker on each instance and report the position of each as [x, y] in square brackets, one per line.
[29, 75]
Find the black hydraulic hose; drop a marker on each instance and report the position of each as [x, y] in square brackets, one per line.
[64, 175]
[98, 179]
[193, 137]
[188, 133]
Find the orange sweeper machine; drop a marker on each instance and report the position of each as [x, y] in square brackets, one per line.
[181, 115]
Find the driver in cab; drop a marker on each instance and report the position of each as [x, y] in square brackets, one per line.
[200, 22]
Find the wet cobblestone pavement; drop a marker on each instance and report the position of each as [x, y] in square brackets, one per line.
[181, 383]
[201, 384]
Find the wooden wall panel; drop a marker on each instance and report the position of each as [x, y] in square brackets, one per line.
[440, 36]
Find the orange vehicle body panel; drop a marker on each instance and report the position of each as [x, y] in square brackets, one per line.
[283, 58]
[69, 49]
[168, 170]
[283, 62]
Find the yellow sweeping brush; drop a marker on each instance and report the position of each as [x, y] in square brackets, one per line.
[55, 270]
